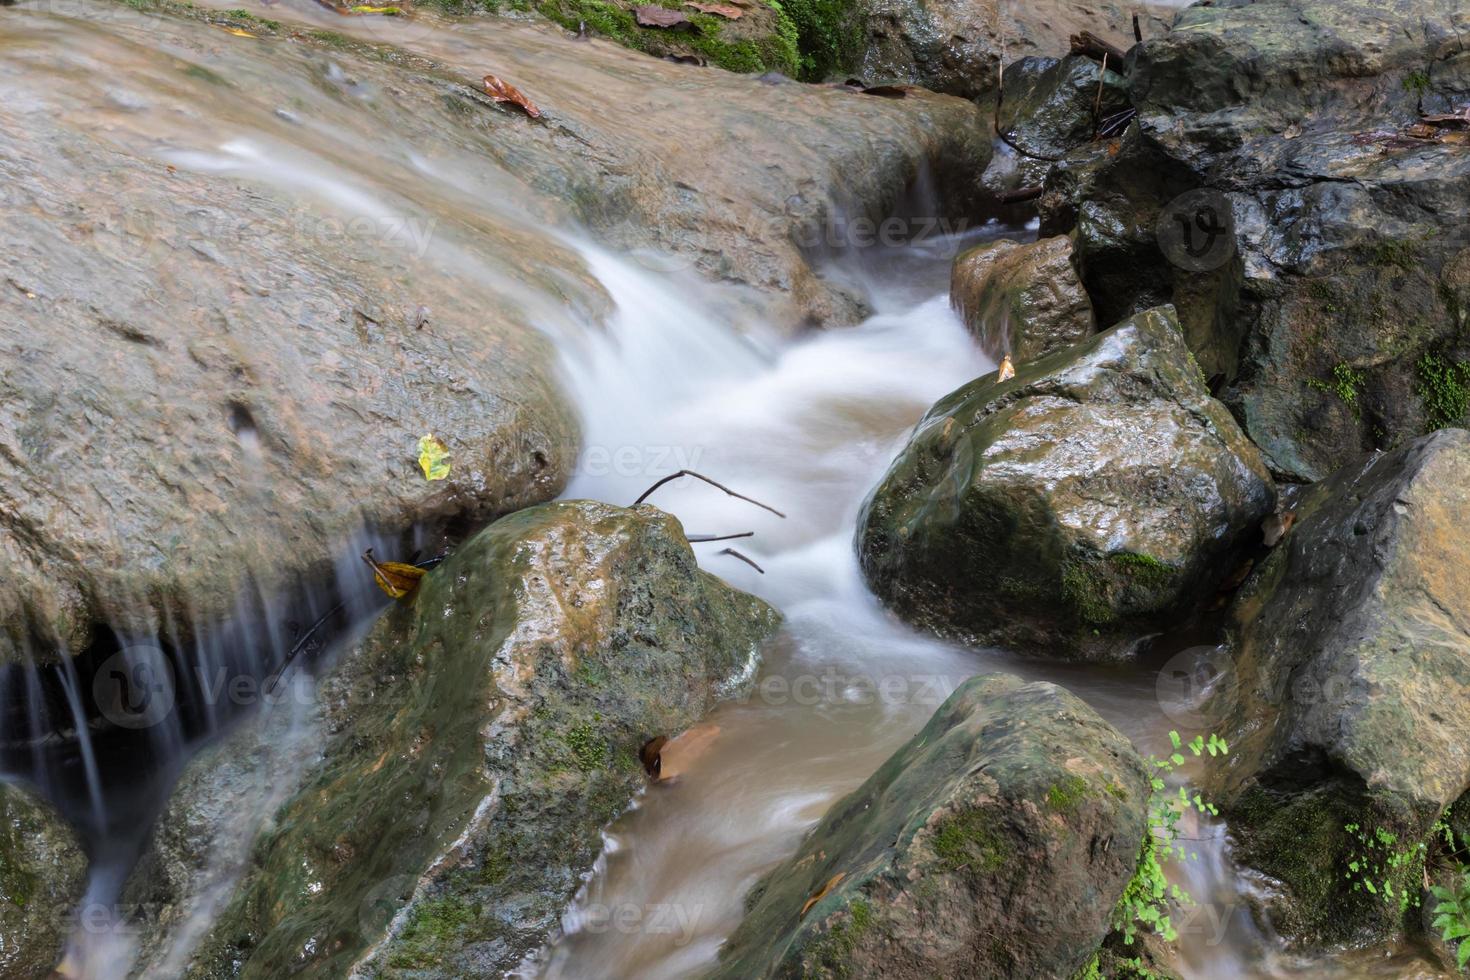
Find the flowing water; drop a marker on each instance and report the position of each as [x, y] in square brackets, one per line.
[670, 381]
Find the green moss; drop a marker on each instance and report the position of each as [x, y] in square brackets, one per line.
[431, 926]
[829, 35]
[330, 38]
[970, 841]
[1346, 382]
[1398, 253]
[1065, 795]
[1145, 570]
[589, 750]
[1086, 592]
[777, 52]
[247, 17]
[831, 955]
[1444, 387]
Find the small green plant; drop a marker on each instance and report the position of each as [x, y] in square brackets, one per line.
[1378, 860]
[1452, 915]
[1416, 83]
[1444, 387]
[1149, 898]
[1345, 383]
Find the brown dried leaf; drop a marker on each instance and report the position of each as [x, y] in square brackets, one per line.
[394, 577]
[652, 16]
[1007, 369]
[888, 91]
[822, 893]
[503, 91]
[724, 10]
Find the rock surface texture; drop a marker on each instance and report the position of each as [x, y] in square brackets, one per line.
[995, 844]
[1347, 704]
[468, 755]
[1022, 300]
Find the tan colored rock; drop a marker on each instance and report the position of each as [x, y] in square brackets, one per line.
[219, 366]
[1021, 300]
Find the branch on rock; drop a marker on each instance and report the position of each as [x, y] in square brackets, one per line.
[1094, 47]
[735, 554]
[719, 486]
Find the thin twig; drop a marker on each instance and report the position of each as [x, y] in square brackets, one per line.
[700, 476]
[735, 554]
[706, 538]
[1097, 102]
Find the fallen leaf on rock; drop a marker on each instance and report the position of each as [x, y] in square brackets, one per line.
[1007, 369]
[724, 10]
[822, 893]
[651, 756]
[239, 33]
[888, 91]
[678, 754]
[503, 91]
[394, 577]
[651, 16]
[434, 457]
[1421, 131]
[385, 11]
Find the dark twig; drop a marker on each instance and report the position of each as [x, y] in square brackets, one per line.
[735, 554]
[1137, 30]
[1094, 47]
[1097, 102]
[1116, 123]
[706, 538]
[700, 476]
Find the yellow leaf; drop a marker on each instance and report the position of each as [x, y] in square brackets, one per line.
[831, 884]
[434, 457]
[386, 11]
[238, 33]
[1007, 369]
[394, 577]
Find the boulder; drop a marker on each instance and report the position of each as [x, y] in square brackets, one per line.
[220, 367]
[1050, 106]
[43, 875]
[1347, 701]
[995, 844]
[464, 758]
[1327, 305]
[956, 46]
[1022, 300]
[1090, 500]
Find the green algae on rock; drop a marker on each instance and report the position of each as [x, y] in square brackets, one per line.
[43, 875]
[473, 748]
[1090, 500]
[996, 843]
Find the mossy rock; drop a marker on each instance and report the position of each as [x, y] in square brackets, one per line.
[43, 875]
[996, 843]
[1091, 499]
[472, 749]
[1021, 300]
[1346, 709]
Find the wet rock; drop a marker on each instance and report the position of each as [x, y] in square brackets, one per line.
[1024, 300]
[219, 369]
[43, 874]
[1327, 304]
[1049, 107]
[1092, 499]
[1347, 700]
[995, 844]
[469, 752]
[956, 46]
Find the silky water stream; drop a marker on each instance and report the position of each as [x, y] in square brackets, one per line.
[807, 424]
